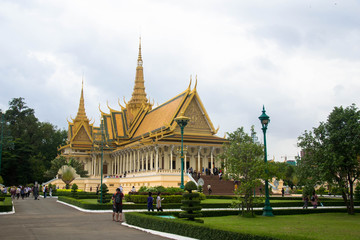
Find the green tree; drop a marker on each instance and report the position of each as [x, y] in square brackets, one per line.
[33, 145]
[244, 163]
[332, 152]
[60, 161]
[55, 165]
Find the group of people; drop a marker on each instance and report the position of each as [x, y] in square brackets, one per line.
[150, 202]
[19, 191]
[197, 174]
[23, 192]
[314, 200]
[117, 204]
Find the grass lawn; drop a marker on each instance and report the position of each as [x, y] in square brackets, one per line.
[310, 226]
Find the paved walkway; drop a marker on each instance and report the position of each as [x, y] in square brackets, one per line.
[46, 219]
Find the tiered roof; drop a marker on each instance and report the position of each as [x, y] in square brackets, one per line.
[139, 122]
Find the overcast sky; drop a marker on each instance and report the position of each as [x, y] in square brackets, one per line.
[299, 58]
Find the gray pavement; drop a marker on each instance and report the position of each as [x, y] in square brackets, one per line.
[46, 219]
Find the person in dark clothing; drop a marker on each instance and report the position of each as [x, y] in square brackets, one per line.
[117, 205]
[150, 202]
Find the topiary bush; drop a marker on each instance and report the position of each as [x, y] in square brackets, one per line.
[191, 203]
[74, 189]
[105, 198]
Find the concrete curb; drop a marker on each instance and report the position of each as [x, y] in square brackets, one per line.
[161, 234]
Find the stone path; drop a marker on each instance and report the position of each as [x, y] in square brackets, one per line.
[46, 219]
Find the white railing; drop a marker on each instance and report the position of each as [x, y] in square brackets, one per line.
[192, 179]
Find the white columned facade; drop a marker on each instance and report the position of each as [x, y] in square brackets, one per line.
[156, 158]
[171, 157]
[151, 160]
[212, 159]
[198, 161]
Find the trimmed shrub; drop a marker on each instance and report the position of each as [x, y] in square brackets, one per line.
[187, 228]
[6, 205]
[105, 198]
[191, 203]
[74, 189]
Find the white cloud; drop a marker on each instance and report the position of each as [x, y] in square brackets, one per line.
[299, 58]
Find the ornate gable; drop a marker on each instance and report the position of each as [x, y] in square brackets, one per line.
[82, 136]
[198, 121]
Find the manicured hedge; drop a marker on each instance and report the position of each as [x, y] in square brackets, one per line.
[187, 228]
[143, 198]
[108, 206]
[6, 205]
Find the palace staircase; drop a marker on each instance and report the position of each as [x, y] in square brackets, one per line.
[218, 187]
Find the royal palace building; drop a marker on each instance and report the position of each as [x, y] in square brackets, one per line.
[140, 143]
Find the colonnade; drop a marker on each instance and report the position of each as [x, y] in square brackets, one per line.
[154, 158]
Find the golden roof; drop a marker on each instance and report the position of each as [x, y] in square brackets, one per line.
[139, 95]
[139, 122]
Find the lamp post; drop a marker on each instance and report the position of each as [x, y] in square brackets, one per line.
[265, 119]
[182, 121]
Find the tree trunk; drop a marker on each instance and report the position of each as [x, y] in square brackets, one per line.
[351, 209]
[344, 196]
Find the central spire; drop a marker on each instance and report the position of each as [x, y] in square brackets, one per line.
[138, 96]
[81, 115]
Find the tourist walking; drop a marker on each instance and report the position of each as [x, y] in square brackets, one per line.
[44, 191]
[314, 200]
[117, 205]
[36, 191]
[22, 192]
[18, 190]
[13, 192]
[282, 192]
[150, 202]
[306, 201]
[209, 189]
[50, 191]
[158, 202]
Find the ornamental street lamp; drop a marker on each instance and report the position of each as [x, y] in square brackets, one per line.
[182, 121]
[265, 119]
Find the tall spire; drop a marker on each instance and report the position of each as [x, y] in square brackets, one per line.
[139, 61]
[81, 115]
[138, 95]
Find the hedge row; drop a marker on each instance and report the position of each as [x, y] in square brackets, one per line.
[143, 198]
[277, 212]
[187, 228]
[271, 198]
[108, 206]
[6, 205]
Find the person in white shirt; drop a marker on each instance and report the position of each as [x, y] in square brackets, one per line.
[158, 202]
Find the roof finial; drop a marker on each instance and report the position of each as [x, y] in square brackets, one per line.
[139, 56]
[190, 82]
[81, 115]
[195, 82]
